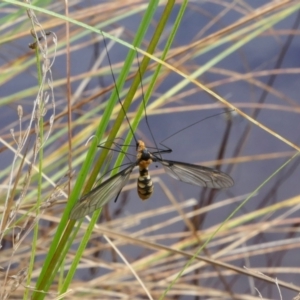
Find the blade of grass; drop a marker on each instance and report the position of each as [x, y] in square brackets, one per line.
[153, 43]
[51, 267]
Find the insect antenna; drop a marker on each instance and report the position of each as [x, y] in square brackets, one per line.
[169, 150]
[117, 91]
[119, 150]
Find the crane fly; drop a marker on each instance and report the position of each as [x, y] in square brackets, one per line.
[111, 188]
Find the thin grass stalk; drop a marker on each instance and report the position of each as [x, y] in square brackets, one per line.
[238, 208]
[51, 270]
[130, 95]
[265, 24]
[37, 120]
[41, 154]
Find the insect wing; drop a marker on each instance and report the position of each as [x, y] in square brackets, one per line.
[196, 175]
[101, 194]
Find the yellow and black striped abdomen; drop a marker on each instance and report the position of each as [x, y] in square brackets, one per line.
[144, 184]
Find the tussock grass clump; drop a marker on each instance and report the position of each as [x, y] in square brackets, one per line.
[59, 101]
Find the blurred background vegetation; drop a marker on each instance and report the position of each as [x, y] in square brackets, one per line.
[59, 101]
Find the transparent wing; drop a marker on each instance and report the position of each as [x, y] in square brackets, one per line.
[100, 195]
[197, 175]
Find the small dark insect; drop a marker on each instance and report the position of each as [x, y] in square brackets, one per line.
[111, 188]
[40, 39]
